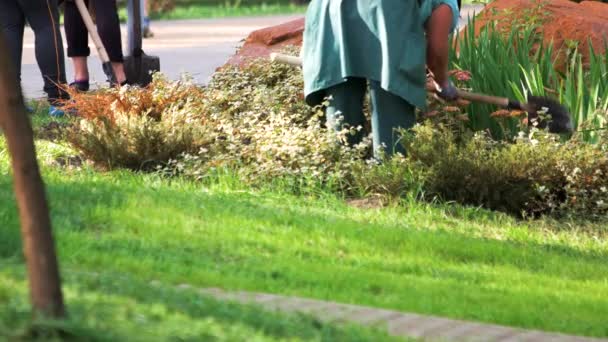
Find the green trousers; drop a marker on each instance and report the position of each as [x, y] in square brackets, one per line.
[389, 112]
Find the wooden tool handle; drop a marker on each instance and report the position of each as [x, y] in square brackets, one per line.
[495, 100]
[88, 22]
[287, 59]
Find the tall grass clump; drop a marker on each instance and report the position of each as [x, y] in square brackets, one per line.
[533, 175]
[516, 62]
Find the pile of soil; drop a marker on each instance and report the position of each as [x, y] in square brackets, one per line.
[262, 42]
[563, 22]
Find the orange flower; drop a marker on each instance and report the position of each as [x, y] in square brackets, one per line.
[451, 109]
[462, 102]
[500, 113]
[517, 113]
[461, 75]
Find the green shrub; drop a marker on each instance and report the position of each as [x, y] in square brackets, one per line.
[536, 174]
[264, 131]
[251, 122]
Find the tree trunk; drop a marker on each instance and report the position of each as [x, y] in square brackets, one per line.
[39, 249]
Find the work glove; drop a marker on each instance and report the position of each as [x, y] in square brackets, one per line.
[447, 92]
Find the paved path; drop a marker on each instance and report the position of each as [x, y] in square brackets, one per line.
[427, 328]
[194, 46]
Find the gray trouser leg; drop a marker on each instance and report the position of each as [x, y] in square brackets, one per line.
[12, 23]
[389, 113]
[346, 107]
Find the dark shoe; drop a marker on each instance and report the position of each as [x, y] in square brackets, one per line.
[80, 85]
[148, 33]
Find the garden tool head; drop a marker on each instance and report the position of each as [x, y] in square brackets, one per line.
[543, 111]
[548, 112]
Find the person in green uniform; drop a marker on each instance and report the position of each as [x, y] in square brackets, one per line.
[386, 44]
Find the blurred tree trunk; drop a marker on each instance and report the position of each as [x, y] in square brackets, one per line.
[38, 245]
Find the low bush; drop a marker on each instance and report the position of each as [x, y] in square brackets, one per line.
[533, 175]
[252, 123]
[264, 131]
[138, 128]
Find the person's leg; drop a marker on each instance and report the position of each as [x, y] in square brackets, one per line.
[145, 6]
[12, 23]
[43, 16]
[108, 27]
[389, 112]
[77, 37]
[346, 107]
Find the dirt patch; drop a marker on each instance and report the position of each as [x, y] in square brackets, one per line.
[69, 162]
[373, 202]
[565, 23]
[53, 131]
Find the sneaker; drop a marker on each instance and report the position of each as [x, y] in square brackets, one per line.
[56, 112]
[82, 85]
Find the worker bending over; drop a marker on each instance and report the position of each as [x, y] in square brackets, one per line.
[386, 43]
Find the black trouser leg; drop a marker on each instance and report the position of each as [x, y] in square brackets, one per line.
[76, 33]
[43, 16]
[108, 26]
[12, 22]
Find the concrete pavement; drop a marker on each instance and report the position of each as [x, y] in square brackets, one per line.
[197, 47]
[194, 46]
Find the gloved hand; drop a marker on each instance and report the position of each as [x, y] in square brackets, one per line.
[447, 92]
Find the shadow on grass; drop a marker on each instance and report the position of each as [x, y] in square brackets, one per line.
[97, 296]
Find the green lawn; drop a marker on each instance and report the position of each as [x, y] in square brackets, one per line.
[444, 260]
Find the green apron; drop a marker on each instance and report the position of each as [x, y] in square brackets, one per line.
[380, 40]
